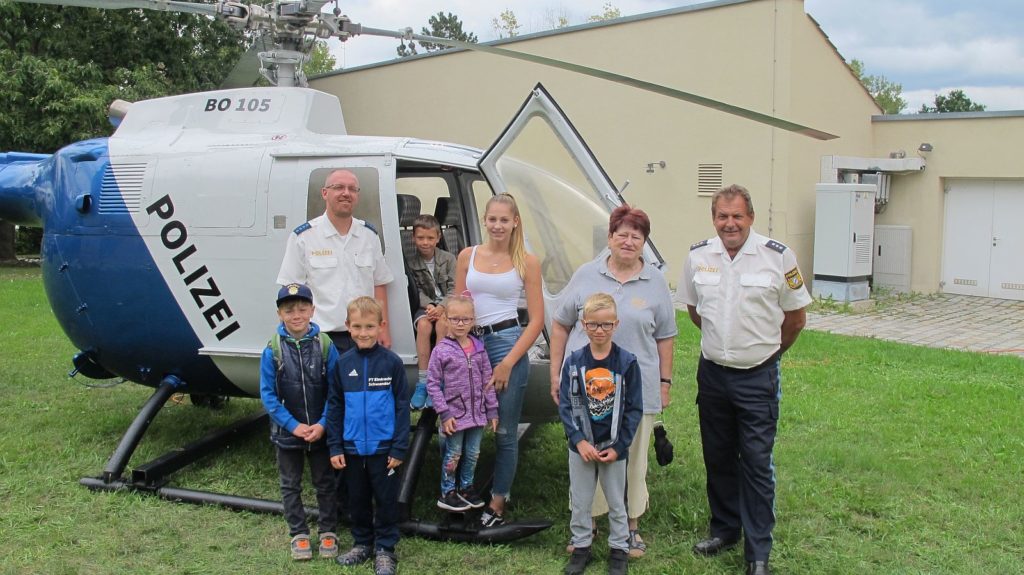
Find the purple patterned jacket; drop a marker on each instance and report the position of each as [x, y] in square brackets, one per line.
[457, 384]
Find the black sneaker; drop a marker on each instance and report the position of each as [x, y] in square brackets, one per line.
[578, 561]
[452, 502]
[386, 563]
[491, 518]
[471, 498]
[618, 562]
[356, 555]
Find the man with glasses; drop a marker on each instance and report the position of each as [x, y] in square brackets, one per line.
[339, 257]
[745, 293]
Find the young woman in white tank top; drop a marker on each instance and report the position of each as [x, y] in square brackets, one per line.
[496, 273]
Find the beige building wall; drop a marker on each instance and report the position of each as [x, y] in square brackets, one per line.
[765, 55]
[968, 145]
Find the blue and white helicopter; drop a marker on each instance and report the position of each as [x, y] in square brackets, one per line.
[161, 243]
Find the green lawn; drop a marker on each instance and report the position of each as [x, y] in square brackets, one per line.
[890, 459]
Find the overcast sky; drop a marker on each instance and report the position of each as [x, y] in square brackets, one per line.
[928, 46]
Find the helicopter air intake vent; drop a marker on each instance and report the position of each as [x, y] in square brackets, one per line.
[121, 191]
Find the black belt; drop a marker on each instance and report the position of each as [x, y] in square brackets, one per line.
[495, 327]
[766, 363]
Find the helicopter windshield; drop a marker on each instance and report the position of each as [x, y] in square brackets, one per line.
[565, 221]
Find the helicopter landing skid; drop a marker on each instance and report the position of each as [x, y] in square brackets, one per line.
[152, 477]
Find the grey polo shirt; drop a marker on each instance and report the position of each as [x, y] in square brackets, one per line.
[645, 315]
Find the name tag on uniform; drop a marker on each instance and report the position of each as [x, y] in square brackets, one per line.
[756, 280]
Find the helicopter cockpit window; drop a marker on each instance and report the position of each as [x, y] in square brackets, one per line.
[368, 207]
[564, 217]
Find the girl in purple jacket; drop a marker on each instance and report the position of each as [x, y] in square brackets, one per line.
[457, 381]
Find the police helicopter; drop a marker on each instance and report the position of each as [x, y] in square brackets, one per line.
[161, 243]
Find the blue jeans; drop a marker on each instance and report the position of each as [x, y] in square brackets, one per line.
[510, 407]
[461, 446]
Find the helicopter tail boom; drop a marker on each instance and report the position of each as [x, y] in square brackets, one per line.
[20, 174]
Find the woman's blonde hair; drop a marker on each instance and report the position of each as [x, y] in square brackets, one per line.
[517, 244]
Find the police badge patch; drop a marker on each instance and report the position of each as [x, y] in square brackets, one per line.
[794, 279]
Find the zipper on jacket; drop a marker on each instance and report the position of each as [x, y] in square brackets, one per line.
[366, 390]
[302, 379]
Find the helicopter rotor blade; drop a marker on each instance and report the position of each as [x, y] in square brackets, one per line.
[162, 5]
[606, 75]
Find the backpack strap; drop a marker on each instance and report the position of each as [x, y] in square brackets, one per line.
[275, 349]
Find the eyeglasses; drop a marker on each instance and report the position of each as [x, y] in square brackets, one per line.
[599, 325]
[342, 187]
[460, 320]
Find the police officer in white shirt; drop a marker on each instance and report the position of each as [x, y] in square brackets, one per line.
[339, 258]
[745, 293]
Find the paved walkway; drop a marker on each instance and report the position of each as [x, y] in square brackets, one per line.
[940, 320]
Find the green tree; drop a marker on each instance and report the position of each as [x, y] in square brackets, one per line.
[888, 95]
[320, 60]
[441, 26]
[956, 101]
[610, 13]
[61, 67]
[506, 25]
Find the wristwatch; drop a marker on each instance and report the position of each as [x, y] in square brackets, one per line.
[666, 380]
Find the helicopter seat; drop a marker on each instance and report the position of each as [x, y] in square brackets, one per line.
[451, 226]
[408, 209]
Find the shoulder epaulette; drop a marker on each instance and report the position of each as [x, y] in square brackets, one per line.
[370, 227]
[699, 244]
[302, 228]
[774, 245]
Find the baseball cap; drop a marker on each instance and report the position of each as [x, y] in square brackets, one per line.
[294, 291]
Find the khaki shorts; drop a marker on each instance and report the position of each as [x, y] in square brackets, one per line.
[636, 473]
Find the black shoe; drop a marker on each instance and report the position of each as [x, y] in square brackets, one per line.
[491, 518]
[578, 561]
[713, 546]
[758, 568]
[356, 555]
[618, 562]
[471, 498]
[452, 502]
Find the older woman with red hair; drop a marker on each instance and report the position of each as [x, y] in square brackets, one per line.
[647, 328]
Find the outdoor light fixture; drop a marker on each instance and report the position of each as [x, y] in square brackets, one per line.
[652, 165]
[924, 147]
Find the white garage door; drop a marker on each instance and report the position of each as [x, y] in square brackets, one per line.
[983, 242]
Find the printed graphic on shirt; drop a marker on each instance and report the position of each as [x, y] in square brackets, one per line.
[794, 279]
[600, 392]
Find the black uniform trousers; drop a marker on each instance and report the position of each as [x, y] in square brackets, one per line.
[739, 413]
[290, 464]
[372, 501]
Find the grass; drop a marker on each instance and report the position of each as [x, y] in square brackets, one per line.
[890, 459]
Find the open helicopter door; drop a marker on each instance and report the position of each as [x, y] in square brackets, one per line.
[563, 193]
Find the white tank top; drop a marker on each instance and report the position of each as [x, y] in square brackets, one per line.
[495, 296]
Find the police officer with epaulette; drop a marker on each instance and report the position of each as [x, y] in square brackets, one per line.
[745, 293]
[339, 257]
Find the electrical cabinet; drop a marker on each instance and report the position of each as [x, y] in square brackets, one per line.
[844, 221]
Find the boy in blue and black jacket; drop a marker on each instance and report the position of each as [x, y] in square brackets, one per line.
[368, 435]
[293, 387]
[600, 404]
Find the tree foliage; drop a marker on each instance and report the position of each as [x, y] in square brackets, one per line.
[506, 25]
[320, 60]
[955, 101]
[610, 13]
[887, 94]
[441, 26]
[63, 66]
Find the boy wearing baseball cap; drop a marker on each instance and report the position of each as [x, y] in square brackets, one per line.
[293, 387]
